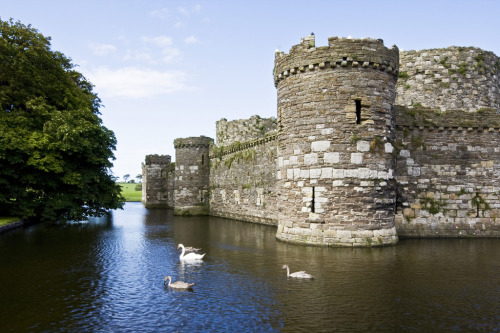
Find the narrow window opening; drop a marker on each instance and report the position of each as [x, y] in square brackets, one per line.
[477, 207]
[358, 111]
[202, 159]
[312, 202]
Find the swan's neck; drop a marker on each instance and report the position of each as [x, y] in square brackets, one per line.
[183, 251]
[287, 271]
[169, 280]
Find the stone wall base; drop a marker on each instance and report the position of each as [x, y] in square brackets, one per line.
[156, 205]
[338, 238]
[245, 218]
[191, 210]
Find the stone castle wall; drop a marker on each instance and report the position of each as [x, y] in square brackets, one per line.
[243, 180]
[448, 173]
[454, 78]
[241, 130]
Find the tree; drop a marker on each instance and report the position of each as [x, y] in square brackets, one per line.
[126, 177]
[139, 177]
[55, 154]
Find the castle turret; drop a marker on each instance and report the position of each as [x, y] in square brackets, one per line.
[336, 124]
[192, 175]
[156, 192]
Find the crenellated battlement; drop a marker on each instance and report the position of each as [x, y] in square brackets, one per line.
[340, 53]
[157, 159]
[193, 142]
[460, 78]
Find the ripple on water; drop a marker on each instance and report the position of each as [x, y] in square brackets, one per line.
[108, 276]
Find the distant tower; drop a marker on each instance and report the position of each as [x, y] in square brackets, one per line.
[192, 173]
[155, 181]
[336, 124]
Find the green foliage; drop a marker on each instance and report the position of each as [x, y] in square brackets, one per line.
[403, 75]
[417, 142]
[443, 62]
[377, 145]
[480, 204]
[355, 138]
[407, 86]
[55, 154]
[431, 205]
[417, 105]
[462, 68]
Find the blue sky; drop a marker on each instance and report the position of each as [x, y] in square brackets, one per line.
[170, 69]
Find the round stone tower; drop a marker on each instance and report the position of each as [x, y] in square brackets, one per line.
[336, 127]
[192, 172]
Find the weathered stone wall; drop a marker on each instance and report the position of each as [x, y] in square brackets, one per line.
[335, 168]
[192, 173]
[454, 78]
[448, 173]
[243, 180]
[346, 166]
[157, 181]
[241, 130]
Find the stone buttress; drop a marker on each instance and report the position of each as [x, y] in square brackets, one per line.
[192, 174]
[336, 127]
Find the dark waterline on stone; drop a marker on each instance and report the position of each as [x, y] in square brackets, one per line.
[107, 275]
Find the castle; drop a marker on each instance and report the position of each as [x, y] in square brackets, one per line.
[370, 144]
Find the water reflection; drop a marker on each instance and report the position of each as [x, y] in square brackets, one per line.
[107, 275]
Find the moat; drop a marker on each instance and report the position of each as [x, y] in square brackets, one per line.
[107, 275]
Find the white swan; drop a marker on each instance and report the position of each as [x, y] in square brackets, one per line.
[177, 284]
[189, 256]
[301, 274]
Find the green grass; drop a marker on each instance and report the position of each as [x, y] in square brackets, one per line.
[7, 220]
[129, 192]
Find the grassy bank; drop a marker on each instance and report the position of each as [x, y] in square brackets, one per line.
[130, 193]
[7, 220]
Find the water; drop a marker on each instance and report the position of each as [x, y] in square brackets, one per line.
[107, 275]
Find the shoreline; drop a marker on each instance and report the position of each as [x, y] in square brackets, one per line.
[11, 226]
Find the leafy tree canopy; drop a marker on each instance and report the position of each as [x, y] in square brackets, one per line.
[55, 154]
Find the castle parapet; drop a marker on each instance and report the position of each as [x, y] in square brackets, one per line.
[340, 52]
[242, 130]
[157, 159]
[193, 142]
[453, 78]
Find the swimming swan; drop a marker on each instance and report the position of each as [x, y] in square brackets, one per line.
[177, 284]
[301, 274]
[189, 256]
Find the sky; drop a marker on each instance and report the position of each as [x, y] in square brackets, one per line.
[169, 69]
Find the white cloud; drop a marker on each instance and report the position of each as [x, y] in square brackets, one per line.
[131, 82]
[165, 43]
[191, 40]
[161, 41]
[102, 49]
[160, 13]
